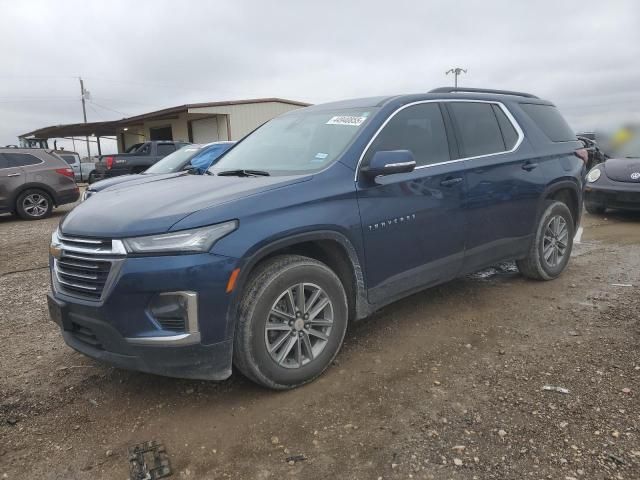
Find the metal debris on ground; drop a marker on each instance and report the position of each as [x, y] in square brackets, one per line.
[295, 458]
[149, 461]
[551, 388]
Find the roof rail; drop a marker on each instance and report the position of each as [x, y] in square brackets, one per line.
[480, 90]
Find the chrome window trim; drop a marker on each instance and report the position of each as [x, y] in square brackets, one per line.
[506, 111]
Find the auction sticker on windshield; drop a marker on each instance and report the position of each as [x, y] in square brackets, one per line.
[346, 120]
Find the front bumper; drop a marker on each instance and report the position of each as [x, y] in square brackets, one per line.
[623, 197]
[119, 328]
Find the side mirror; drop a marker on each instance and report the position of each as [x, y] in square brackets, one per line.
[390, 162]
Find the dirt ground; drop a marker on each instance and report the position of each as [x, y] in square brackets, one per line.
[447, 384]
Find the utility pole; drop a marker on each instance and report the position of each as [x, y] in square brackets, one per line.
[456, 71]
[84, 93]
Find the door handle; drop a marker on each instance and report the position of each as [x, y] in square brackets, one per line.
[14, 175]
[528, 166]
[448, 182]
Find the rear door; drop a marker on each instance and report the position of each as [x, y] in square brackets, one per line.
[503, 182]
[11, 178]
[413, 223]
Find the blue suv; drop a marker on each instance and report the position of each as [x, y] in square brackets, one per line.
[315, 220]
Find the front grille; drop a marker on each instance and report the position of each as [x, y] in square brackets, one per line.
[83, 265]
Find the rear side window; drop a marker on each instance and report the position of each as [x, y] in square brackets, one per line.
[21, 159]
[478, 128]
[549, 120]
[420, 129]
[165, 149]
[509, 133]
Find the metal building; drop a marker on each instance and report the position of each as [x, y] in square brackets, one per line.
[196, 122]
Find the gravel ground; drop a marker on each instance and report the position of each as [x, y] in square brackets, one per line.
[445, 384]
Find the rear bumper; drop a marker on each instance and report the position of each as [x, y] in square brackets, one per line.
[67, 196]
[623, 198]
[102, 173]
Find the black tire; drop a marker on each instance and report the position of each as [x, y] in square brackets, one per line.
[594, 208]
[92, 177]
[266, 285]
[34, 204]
[535, 265]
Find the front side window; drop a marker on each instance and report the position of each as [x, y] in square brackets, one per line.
[299, 142]
[21, 159]
[478, 128]
[420, 129]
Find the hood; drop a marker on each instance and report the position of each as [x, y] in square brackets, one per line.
[623, 169]
[131, 180]
[153, 207]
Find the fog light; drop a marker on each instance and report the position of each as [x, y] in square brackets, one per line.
[175, 311]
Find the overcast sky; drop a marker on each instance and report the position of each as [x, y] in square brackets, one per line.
[140, 56]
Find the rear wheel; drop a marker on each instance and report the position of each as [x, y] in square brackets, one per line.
[92, 177]
[594, 208]
[292, 321]
[34, 204]
[551, 248]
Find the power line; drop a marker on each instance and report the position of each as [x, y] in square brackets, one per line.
[107, 108]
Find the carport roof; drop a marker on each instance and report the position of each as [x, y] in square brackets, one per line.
[99, 129]
[102, 129]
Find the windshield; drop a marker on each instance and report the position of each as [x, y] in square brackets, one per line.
[296, 143]
[175, 161]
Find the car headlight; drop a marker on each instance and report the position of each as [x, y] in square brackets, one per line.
[593, 175]
[195, 240]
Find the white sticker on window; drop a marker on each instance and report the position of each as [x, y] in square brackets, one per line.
[321, 156]
[346, 120]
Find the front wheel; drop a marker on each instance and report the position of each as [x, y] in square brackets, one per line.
[292, 321]
[551, 248]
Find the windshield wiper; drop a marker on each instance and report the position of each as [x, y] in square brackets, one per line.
[243, 173]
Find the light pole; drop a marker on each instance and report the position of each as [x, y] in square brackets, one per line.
[456, 71]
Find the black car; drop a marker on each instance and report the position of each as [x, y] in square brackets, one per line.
[615, 183]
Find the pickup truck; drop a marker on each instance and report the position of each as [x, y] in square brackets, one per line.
[81, 170]
[134, 160]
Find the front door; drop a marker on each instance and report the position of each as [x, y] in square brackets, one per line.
[413, 223]
[10, 179]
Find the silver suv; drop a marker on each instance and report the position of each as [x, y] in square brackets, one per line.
[33, 181]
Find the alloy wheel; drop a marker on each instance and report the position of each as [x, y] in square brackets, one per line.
[555, 241]
[35, 205]
[299, 325]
